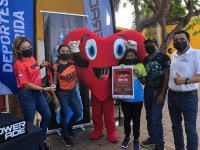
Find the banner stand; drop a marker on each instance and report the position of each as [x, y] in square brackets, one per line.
[58, 131]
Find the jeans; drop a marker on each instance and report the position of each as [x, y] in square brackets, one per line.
[132, 110]
[184, 106]
[68, 98]
[154, 115]
[32, 100]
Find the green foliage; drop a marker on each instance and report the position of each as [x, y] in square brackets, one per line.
[194, 22]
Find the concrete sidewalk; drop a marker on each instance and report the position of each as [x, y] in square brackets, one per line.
[83, 142]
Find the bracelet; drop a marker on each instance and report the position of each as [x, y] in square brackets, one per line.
[140, 77]
[41, 67]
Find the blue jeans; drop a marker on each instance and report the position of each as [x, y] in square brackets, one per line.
[185, 105]
[68, 98]
[32, 100]
[153, 115]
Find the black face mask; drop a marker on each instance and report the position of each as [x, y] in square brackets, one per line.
[180, 46]
[150, 49]
[130, 61]
[27, 52]
[64, 56]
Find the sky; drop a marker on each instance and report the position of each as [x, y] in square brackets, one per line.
[123, 16]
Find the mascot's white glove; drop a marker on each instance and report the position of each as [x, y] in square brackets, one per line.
[131, 44]
[73, 45]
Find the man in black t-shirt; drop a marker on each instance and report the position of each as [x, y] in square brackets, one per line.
[157, 67]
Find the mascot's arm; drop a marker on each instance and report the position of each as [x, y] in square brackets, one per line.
[74, 47]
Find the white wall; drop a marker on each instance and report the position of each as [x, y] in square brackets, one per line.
[41, 55]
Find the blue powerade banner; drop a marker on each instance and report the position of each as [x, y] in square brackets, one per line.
[17, 18]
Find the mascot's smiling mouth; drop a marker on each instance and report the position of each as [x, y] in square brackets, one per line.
[103, 73]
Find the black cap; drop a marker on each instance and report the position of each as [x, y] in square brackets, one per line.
[151, 40]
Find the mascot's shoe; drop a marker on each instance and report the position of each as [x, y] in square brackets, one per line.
[112, 137]
[96, 134]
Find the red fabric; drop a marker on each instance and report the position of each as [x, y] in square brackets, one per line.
[27, 71]
[106, 108]
[101, 90]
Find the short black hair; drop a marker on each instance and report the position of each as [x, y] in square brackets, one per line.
[184, 32]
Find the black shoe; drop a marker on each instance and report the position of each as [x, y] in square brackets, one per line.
[126, 142]
[159, 147]
[67, 141]
[71, 133]
[148, 142]
[136, 145]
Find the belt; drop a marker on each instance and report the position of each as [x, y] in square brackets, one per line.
[183, 92]
[63, 90]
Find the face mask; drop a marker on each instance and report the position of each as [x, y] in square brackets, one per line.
[64, 56]
[180, 46]
[130, 61]
[150, 49]
[27, 53]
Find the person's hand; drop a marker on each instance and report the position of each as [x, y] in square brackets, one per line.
[161, 100]
[74, 46]
[131, 44]
[136, 72]
[50, 89]
[179, 80]
[56, 102]
[44, 63]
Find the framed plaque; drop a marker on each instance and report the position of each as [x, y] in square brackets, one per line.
[122, 82]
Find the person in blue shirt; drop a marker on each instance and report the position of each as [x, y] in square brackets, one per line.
[132, 107]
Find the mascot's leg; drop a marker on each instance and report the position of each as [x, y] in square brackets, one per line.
[108, 110]
[97, 112]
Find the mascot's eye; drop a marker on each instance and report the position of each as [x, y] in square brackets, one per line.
[119, 48]
[91, 49]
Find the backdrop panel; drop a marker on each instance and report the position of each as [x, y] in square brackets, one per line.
[101, 16]
[17, 18]
[56, 28]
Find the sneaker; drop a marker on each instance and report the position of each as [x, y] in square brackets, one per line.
[159, 147]
[148, 142]
[71, 133]
[126, 142]
[67, 141]
[136, 145]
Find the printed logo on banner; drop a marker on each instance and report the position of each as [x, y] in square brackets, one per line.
[15, 21]
[100, 16]
[13, 130]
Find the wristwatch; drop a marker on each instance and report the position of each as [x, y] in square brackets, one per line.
[187, 81]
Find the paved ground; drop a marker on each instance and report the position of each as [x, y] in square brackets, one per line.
[83, 142]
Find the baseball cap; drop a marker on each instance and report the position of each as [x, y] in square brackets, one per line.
[151, 40]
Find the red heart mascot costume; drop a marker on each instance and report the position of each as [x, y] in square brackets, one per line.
[94, 57]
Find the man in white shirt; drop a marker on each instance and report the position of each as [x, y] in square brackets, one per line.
[182, 94]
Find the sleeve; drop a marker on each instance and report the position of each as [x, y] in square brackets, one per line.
[143, 72]
[21, 73]
[165, 62]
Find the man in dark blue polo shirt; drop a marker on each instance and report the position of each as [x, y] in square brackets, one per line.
[157, 66]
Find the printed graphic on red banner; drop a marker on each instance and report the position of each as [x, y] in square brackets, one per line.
[122, 82]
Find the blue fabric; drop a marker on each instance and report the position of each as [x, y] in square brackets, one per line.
[153, 115]
[185, 105]
[17, 20]
[32, 100]
[138, 92]
[68, 98]
[70, 112]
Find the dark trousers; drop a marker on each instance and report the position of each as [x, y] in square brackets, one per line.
[132, 110]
